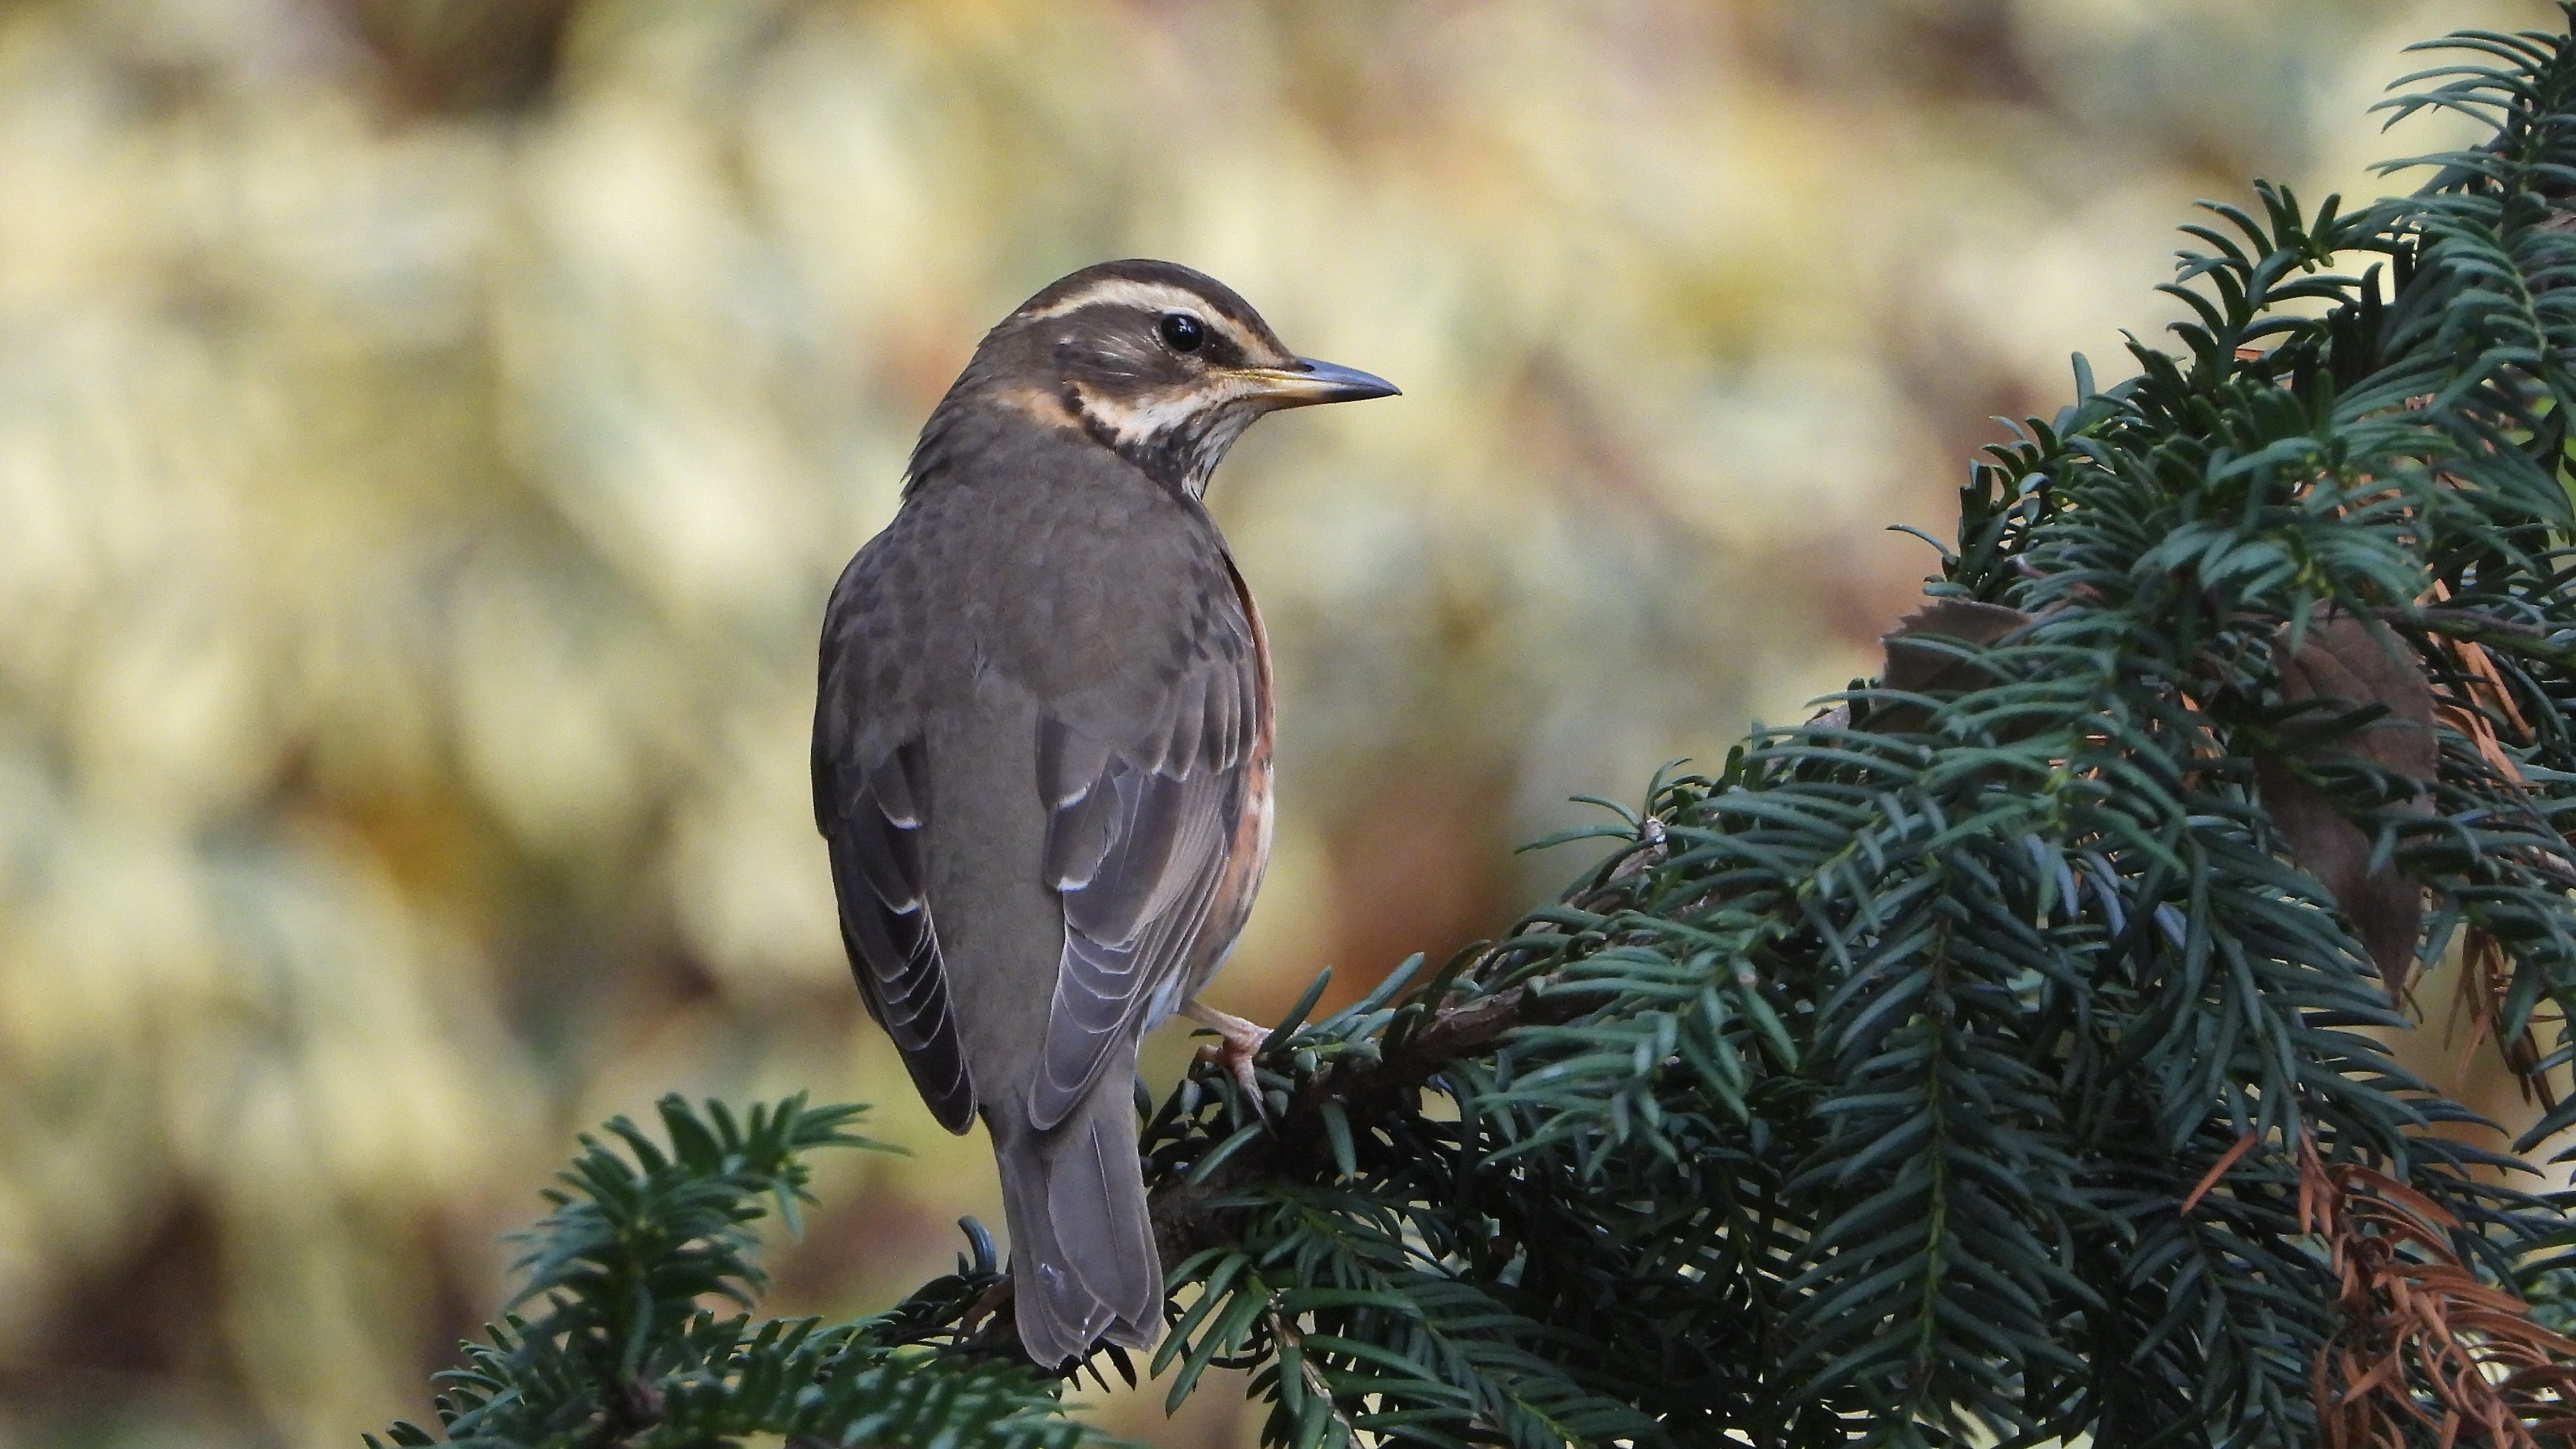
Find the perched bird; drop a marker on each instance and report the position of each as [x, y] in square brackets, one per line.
[1042, 752]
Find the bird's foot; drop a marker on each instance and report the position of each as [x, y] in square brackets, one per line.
[1237, 1042]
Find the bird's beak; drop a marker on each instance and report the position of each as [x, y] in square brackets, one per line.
[1308, 381]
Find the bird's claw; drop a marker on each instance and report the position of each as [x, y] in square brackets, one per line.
[1237, 1043]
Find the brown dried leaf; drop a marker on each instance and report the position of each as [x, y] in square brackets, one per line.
[1917, 666]
[2345, 664]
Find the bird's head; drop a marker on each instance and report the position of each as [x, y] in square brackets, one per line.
[1161, 363]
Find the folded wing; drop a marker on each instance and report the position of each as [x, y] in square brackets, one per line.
[871, 816]
[1138, 836]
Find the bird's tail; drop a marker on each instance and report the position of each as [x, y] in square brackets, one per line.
[1083, 1263]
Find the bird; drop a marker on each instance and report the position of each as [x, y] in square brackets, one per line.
[1042, 753]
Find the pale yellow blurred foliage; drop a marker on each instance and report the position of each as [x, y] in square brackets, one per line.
[428, 429]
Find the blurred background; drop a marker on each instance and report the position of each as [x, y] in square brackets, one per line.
[428, 429]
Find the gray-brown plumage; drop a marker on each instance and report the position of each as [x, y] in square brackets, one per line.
[1042, 751]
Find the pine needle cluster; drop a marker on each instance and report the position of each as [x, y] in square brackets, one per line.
[627, 1351]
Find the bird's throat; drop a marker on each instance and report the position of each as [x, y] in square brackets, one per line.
[1175, 440]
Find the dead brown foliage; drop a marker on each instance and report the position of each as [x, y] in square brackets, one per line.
[2486, 978]
[2424, 1345]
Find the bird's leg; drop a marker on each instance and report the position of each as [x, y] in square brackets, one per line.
[1237, 1042]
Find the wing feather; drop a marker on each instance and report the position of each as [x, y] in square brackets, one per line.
[871, 819]
[1078, 839]
[1138, 855]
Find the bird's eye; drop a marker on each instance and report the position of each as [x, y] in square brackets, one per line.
[1181, 332]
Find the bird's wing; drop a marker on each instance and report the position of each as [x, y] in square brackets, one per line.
[870, 782]
[1139, 835]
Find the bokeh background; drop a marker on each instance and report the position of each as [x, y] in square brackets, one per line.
[428, 429]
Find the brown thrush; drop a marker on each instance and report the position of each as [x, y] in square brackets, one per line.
[1042, 751]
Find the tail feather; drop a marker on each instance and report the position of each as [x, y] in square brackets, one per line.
[1083, 1262]
[1096, 1196]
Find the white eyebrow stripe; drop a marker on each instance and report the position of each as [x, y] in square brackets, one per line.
[1154, 297]
[1124, 291]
